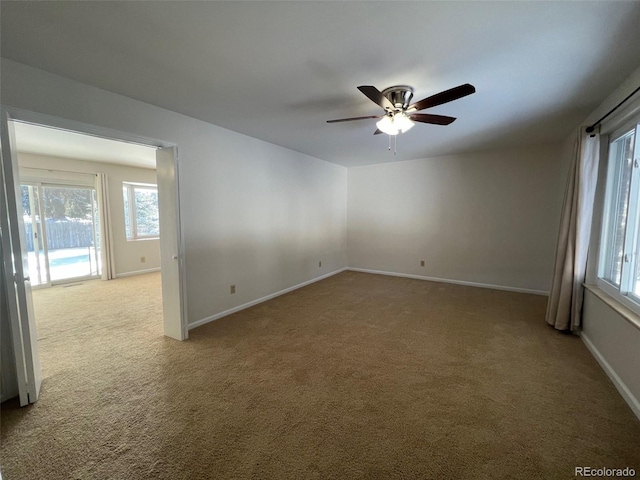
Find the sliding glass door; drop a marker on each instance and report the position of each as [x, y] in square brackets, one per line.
[61, 231]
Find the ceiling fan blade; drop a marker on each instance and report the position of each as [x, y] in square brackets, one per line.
[377, 132]
[434, 119]
[353, 118]
[443, 97]
[376, 96]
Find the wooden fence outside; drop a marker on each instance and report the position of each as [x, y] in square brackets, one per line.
[63, 233]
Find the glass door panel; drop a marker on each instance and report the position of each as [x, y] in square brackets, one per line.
[36, 253]
[70, 231]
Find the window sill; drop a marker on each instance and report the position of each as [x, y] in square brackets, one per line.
[629, 315]
[142, 239]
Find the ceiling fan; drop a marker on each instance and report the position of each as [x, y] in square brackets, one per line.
[399, 115]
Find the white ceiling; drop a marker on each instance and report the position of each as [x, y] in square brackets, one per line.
[62, 143]
[278, 70]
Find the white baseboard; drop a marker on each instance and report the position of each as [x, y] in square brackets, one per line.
[628, 396]
[217, 316]
[456, 282]
[137, 272]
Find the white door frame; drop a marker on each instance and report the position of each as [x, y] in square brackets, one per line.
[51, 121]
[17, 284]
[166, 174]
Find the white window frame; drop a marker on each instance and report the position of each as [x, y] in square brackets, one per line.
[623, 294]
[132, 211]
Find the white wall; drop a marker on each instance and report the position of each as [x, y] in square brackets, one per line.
[127, 254]
[488, 218]
[254, 214]
[615, 343]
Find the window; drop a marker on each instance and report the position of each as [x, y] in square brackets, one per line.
[140, 211]
[619, 265]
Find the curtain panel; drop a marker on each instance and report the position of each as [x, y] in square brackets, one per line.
[564, 310]
[106, 239]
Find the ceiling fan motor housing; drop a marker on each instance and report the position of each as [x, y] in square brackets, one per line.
[400, 95]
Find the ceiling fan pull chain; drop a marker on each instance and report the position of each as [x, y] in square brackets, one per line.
[395, 144]
[389, 142]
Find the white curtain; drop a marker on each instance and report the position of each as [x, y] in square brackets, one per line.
[106, 239]
[564, 310]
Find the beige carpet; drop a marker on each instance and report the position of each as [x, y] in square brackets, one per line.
[357, 376]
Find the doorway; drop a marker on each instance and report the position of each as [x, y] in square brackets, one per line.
[31, 196]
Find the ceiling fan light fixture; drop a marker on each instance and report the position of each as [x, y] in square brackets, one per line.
[402, 122]
[395, 124]
[387, 125]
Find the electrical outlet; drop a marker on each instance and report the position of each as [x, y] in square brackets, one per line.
[319, 264]
[422, 263]
[143, 259]
[232, 289]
